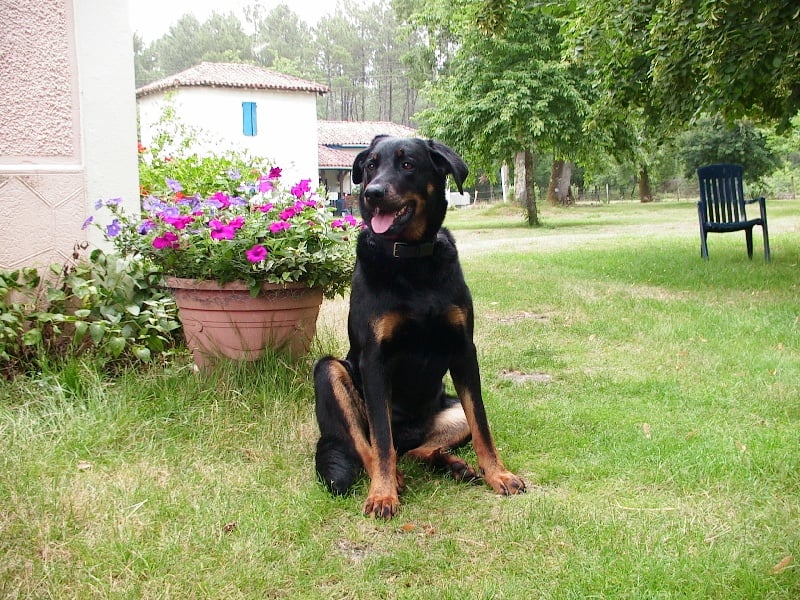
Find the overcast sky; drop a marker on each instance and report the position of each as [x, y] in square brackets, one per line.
[152, 18]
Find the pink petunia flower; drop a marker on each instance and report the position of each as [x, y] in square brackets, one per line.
[279, 226]
[300, 189]
[256, 254]
[168, 240]
[265, 185]
[220, 230]
[287, 213]
[179, 222]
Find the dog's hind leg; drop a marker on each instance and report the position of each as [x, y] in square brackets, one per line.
[449, 429]
[341, 420]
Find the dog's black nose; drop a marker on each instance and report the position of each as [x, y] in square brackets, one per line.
[374, 191]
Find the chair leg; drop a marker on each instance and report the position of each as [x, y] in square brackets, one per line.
[748, 235]
[767, 257]
[704, 245]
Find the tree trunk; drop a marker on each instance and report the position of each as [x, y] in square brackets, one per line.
[524, 188]
[504, 181]
[645, 195]
[559, 192]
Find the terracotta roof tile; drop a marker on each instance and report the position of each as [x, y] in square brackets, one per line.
[358, 133]
[234, 75]
[331, 158]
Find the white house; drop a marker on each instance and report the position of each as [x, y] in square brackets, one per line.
[243, 107]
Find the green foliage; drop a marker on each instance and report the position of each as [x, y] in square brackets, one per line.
[107, 306]
[508, 92]
[281, 40]
[711, 141]
[188, 42]
[675, 60]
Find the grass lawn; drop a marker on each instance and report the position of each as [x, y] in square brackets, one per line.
[650, 399]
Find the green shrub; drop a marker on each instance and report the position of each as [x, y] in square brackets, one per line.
[107, 306]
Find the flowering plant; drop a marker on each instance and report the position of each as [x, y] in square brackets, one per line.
[254, 232]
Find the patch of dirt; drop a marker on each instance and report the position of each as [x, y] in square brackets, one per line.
[353, 550]
[516, 317]
[519, 377]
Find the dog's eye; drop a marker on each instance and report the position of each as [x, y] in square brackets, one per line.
[406, 165]
[371, 165]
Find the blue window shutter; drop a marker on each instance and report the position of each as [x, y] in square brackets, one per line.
[249, 126]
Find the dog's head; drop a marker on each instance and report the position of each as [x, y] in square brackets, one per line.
[403, 186]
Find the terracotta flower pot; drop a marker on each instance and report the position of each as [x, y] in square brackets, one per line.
[226, 321]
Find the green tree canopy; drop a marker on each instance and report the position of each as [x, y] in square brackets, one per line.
[678, 59]
[188, 43]
[712, 140]
[508, 93]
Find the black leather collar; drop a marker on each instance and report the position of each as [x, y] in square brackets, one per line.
[405, 250]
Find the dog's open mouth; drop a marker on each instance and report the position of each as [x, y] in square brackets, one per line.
[382, 220]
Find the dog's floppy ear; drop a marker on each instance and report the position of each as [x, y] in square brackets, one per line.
[449, 162]
[358, 163]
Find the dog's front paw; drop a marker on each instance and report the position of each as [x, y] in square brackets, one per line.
[382, 506]
[505, 483]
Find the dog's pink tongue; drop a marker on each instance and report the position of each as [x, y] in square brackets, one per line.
[381, 221]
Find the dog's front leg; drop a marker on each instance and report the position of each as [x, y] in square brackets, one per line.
[383, 499]
[466, 378]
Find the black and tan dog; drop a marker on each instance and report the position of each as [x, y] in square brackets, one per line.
[410, 322]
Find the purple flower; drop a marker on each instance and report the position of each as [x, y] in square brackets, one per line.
[256, 254]
[174, 185]
[234, 174]
[193, 202]
[113, 228]
[87, 222]
[153, 204]
[220, 200]
[98, 204]
[170, 212]
[113, 201]
[145, 227]
[274, 173]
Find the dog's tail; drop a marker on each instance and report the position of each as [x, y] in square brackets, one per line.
[338, 464]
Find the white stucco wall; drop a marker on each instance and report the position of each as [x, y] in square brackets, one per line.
[68, 134]
[286, 124]
[107, 88]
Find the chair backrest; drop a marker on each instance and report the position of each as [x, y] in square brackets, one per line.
[721, 193]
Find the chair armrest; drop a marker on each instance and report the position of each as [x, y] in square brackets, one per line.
[754, 200]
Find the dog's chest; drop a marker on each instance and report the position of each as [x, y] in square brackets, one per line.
[422, 328]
